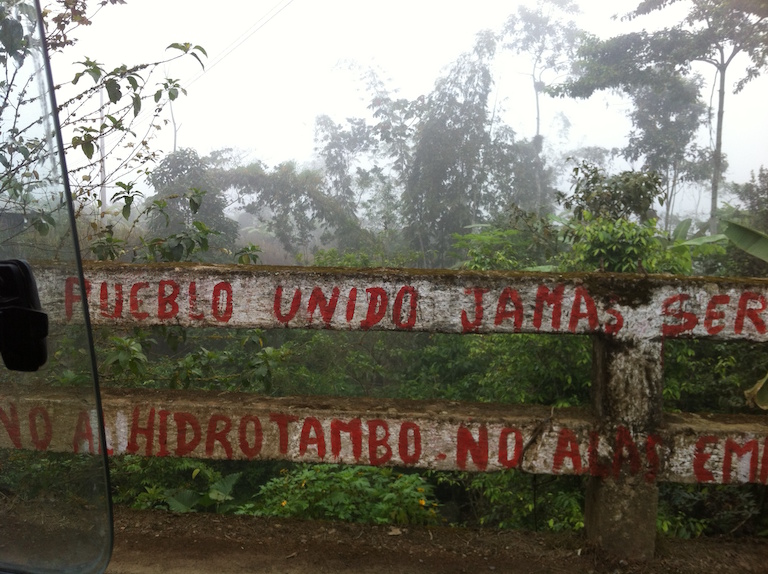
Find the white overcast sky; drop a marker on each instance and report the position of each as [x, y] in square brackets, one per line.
[267, 79]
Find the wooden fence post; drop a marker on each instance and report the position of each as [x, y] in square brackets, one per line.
[621, 504]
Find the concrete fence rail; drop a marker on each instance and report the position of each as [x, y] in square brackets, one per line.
[625, 444]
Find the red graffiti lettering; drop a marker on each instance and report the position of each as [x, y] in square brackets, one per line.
[700, 458]
[351, 304]
[713, 314]
[184, 421]
[478, 449]
[732, 448]
[312, 434]
[552, 299]
[148, 432]
[473, 326]
[40, 443]
[504, 459]
[377, 307]
[397, 311]
[222, 313]
[409, 432]
[282, 421]
[686, 321]
[135, 302]
[764, 465]
[10, 421]
[354, 429]
[652, 456]
[218, 435]
[611, 327]
[83, 433]
[567, 447]
[250, 451]
[509, 295]
[278, 306]
[625, 450]
[167, 305]
[375, 442]
[162, 433]
[589, 313]
[751, 313]
[327, 308]
[194, 313]
[72, 295]
[117, 309]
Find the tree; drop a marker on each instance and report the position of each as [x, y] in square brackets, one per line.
[189, 199]
[713, 32]
[665, 118]
[88, 126]
[446, 180]
[550, 42]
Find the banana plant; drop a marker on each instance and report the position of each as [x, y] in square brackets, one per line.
[755, 243]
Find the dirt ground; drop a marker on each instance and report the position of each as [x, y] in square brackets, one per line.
[150, 542]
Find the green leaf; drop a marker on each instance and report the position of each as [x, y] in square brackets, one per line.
[196, 57]
[681, 231]
[136, 105]
[11, 35]
[183, 501]
[113, 90]
[222, 490]
[747, 239]
[88, 148]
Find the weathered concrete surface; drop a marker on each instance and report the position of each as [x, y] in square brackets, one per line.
[620, 507]
[626, 446]
[436, 435]
[632, 307]
[620, 516]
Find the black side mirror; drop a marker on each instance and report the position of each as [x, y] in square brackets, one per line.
[23, 324]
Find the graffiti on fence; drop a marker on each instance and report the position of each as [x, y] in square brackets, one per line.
[423, 304]
[538, 446]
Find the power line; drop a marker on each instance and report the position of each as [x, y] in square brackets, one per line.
[244, 37]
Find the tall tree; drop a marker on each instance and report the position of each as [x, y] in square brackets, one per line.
[187, 190]
[666, 117]
[713, 32]
[550, 40]
[445, 189]
[101, 140]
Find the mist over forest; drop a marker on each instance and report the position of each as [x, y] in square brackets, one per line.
[462, 176]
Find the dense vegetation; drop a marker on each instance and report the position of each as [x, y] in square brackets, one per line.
[435, 181]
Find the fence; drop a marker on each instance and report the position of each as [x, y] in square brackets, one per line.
[625, 444]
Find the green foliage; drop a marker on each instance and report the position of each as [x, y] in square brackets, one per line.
[181, 485]
[621, 246]
[621, 196]
[126, 356]
[360, 259]
[248, 255]
[218, 497]
[196, 359]
[188, 209]
[512, 499]
[709, 376]
[352, 493]
[690, 511]
[490, 249]
[186, 245]
[750, 240]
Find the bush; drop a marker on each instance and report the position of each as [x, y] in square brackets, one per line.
[352, 493]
